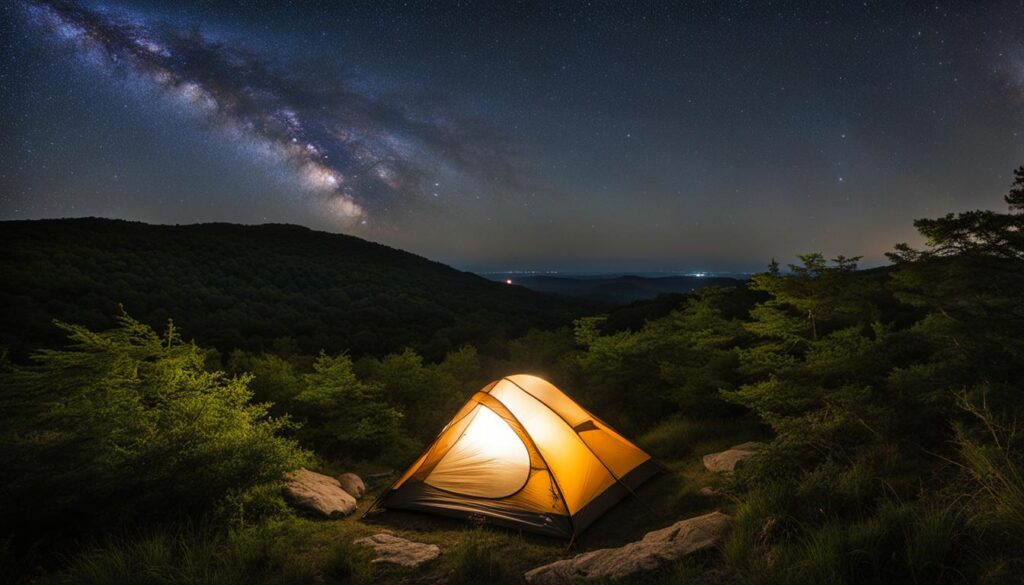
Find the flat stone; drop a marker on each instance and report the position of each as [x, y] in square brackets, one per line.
[318, 493]
[352, 484]
[727, 461]
[654, 550]
[399, 551]
[708, 492]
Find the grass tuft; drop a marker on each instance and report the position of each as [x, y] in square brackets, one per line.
[475, 558]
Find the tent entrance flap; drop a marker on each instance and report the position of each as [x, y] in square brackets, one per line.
[524, 455]
[489, 460]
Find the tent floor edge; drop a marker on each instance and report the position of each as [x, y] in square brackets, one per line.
[615, 494]
[420, 497]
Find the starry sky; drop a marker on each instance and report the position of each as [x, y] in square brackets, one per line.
[576, 136]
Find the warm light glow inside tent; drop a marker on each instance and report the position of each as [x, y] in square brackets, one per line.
[489, 460]
[523, 454]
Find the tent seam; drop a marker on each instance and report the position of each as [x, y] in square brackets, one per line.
[529, 468]
[551, 472]
[433, 443]
[573, 429]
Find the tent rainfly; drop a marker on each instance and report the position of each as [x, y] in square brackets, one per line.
[524, 455]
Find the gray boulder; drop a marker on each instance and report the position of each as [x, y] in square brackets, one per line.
[318, 493]
[654, 550]
[727, 461]
[399, 551]
[352, 484]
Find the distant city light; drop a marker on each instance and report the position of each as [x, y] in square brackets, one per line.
[508, 281]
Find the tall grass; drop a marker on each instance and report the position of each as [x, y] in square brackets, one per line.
[186, 557]
[476, 558]
[993, 463]
[680, 437]
[836, 526]
[278, 552]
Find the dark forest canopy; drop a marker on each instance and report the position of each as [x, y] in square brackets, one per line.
[243, 287]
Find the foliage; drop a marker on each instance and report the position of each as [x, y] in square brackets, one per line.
[888, 400]
[860, 398]
[265, 553]
[360, 411]
[992, 460]
[676, 363]
[427, 393]
[474, 559]
[244, 287]
[342, 414]
[126, 425]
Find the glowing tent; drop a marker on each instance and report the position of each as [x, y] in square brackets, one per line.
[524, 455]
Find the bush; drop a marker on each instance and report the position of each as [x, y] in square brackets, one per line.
[342, 414]
[128, 426]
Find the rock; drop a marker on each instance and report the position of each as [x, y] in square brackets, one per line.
[393, 549]
[708, 492]
[318, 493]
[351, 483]
[727, 461]
[647, 554]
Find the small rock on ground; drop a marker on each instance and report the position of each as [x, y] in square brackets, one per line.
[399, 551]
[654, 550]
[352, 484]
[318, 493]
[727, 461]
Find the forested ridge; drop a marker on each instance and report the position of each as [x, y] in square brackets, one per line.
[234, 286]
[888, 402]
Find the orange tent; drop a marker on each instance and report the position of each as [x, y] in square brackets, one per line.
[524, 455]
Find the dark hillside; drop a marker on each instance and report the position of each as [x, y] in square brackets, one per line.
[621, 289]
[234, 286]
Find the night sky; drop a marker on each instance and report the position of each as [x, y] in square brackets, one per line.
[579, 136]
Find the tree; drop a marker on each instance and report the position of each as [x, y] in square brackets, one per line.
[342, 415]
[679, 362]
[977, 233]
[817, 291]
[968, 282]
[1015, 198]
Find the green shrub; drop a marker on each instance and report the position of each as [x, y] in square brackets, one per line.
[125, 426]
[254, 505]
[343, 415]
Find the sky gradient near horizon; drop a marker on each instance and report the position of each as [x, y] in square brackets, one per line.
[590, 136]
